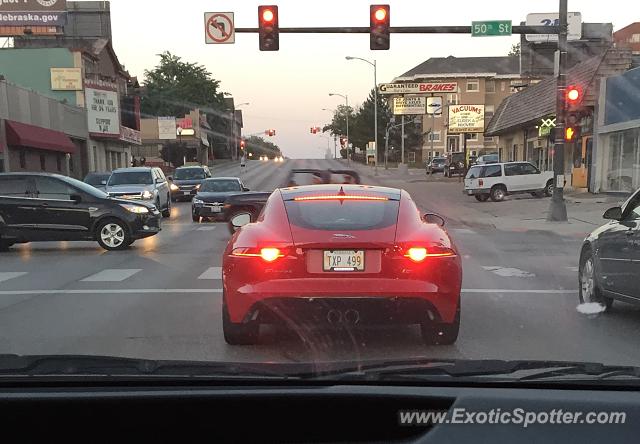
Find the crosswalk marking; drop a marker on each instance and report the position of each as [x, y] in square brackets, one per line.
[212, 273]
[509, 272]
[5, 276]
[112, 275]
[206, 228]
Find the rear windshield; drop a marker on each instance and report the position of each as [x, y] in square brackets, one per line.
[189, 174]
[220, 186]
[474, 172]
[131, 178]
[484, 171]
[342, 215]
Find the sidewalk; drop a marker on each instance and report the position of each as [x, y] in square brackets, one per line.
[518, 213]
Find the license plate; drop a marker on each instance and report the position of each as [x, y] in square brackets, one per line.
[343, 260]
[215, 209]
[186, 193]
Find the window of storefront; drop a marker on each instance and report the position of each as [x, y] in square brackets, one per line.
[59, 162]
[623, 166]
[23, 159]
[43, 162]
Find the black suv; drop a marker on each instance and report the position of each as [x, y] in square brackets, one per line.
[454, 165]
[186, 181]
[51, 207]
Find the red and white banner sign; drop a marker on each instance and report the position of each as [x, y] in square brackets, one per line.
[130, 135]
[418, 88]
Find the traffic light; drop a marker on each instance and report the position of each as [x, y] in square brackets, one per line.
[570, 134]
[269, 32]
[379, 20]
[573, 96]
[242, 143]
[270, 132]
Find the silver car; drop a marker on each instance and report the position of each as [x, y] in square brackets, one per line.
[141, 183]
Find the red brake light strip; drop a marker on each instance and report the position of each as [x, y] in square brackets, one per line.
[339, 197]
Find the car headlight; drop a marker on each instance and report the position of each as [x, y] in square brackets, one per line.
[174, 187]
[146, 194]
[198, 186]
[197, 201]
[137, 209]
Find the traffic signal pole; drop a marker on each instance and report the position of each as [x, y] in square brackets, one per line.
[557, 207]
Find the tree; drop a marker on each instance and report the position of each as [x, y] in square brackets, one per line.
[259, 147]
[515, 50]
[175, 87]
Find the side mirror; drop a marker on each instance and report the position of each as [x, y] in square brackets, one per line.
[76, 198]
[170, 178]
[614, 213]
[245, 189]
[158, 180]
[240, 220]
[432, 218]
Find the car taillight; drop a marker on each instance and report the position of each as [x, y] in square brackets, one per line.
[419, 254]
[267, 254]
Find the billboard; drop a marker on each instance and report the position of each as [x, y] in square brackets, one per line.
[66, 79]
[409, 105]
[574, 22]
[167, 128]
[466, 119]
[103, 109]
[33, 13]
[418, 88]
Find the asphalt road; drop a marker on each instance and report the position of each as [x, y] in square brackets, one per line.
[161, 299]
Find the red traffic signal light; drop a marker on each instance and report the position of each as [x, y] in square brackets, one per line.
[379, 22]
[242, 144]
[268, 28]
[573, 95]
[270, 132]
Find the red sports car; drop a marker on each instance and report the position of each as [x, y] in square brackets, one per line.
[341, 254]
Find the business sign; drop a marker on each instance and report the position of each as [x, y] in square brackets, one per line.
[546, 126]
[409, 105]
[219, 27]
[167, 128]
[103, 109]
[574, 20]
[434, 105]
[33, 12]
[466, 119]
[130, 135]
[418, 88]
[66, 79]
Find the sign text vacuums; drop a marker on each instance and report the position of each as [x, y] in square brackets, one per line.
[409, 105]
[418, 88]
[103, 109]
[466, 119]
[33, 12]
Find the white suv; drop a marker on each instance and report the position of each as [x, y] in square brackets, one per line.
[498, 180]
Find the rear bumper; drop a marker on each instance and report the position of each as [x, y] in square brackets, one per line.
[377, 300]
[476, 191]
[203, 211]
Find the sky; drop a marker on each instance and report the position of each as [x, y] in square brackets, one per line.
[288, 89]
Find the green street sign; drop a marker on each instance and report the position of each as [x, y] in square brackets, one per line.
[491, 28]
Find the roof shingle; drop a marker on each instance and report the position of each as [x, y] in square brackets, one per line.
[464, 65]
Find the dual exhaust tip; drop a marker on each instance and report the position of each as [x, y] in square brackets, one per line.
[346, 317]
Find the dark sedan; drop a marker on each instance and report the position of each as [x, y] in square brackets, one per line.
[212, 195]
[610, 257]
[436, 165]
[51, 207]
[186, 181]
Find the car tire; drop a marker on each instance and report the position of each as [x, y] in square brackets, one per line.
[440, 333]
[548, 189]
[588, 289]
[498, 193]
[482, 197]
[195, 217]
[113, 235]
[538, 194]
[166, 213]
[238, 334]
[5, 245]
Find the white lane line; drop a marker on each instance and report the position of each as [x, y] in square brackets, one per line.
[206, 228]
[219, 290]
[6, 275]
[112, 275]
[212, 273]
[463, 231]
[574, 269]
[509, 272]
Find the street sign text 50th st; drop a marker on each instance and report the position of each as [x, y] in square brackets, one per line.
[491, 28]
[418, 88]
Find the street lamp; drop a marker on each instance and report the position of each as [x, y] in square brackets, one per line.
[375, 103]
[346, 99]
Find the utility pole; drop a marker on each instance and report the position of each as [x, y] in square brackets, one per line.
[558, 208]
[335, 147]
[402, 138]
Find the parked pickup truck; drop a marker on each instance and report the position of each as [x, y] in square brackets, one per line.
[498, 180]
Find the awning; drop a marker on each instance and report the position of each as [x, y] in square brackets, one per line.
[21, 134]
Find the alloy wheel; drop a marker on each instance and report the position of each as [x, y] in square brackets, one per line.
[112, 235]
